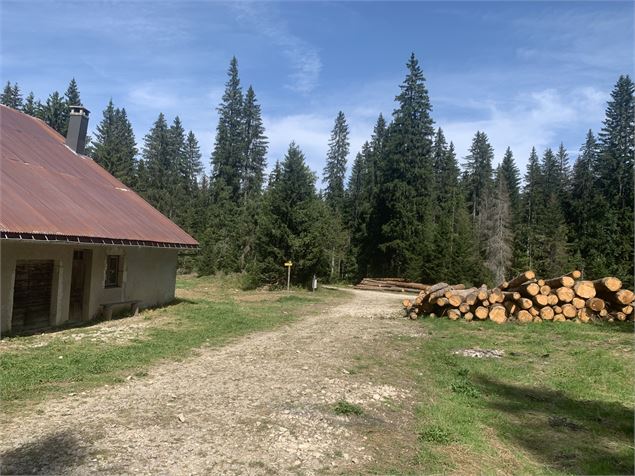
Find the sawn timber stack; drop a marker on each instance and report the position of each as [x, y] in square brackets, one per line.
[526, 298]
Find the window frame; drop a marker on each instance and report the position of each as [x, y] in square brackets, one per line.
[109, 284]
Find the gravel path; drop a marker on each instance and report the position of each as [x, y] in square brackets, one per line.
[260, 405]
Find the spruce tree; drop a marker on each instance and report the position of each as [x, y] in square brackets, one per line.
[114, 146]
[229, 147]
[614, 172]
[334, 176]
[194, 165]
[335, 169]
[406, 196]
[564, 170]
[255, 147]
[71, 96]
[532, 200]
[617, 139]
[11, 96]
[292, 225]
[446, 182]
[510, 173]
[586, 213]
[478, 173]
[369, 256]
[158, 166]
[6, 98]
[55, 113]
[31, 106]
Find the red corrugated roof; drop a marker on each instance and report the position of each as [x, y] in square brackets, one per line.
[46, 188]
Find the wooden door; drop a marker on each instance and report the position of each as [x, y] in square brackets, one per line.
[78, 277]
[32, 294]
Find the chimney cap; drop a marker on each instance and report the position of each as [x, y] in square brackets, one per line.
[79, 110]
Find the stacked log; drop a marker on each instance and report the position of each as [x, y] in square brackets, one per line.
[528, 299]
[390, 285]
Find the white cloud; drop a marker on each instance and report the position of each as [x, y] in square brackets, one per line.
[304, 57]
[311, 132]
[537, 119]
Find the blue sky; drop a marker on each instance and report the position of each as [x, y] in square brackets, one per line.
[526, 73]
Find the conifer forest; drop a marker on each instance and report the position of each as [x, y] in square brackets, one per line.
[403, 206]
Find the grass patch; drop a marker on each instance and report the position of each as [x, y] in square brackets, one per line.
[561, 400]
[346, 408]
[32, 373]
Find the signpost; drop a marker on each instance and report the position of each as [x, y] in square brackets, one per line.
[288, 264]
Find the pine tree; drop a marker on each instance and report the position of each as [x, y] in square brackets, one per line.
[228, 155]
[114, 146]
[55, 113]
[255, 147]
[406, 196]
[335, 169]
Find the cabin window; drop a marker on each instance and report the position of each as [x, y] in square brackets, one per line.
[113, 271]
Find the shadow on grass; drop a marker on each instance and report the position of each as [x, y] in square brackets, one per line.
[56, 453]
[577, 436]
[98, 320]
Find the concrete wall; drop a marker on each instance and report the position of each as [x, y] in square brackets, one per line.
[149, 275]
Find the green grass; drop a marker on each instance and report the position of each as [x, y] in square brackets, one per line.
[343, 407]
[32, 373]
[559, 402]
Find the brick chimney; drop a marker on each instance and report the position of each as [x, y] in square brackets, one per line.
[77, 127]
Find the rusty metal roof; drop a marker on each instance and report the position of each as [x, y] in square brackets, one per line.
[46, 189]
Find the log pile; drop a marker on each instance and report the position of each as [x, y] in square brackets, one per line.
[391, 285]
[528, 299]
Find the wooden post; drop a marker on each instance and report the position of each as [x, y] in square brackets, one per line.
[288, 264]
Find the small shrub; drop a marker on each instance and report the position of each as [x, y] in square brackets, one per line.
[346, 408]
[464, 387]
[436, 434]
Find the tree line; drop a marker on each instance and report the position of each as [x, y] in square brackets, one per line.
[407, 208]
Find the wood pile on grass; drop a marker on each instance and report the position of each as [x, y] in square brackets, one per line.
[398, 285]
[528, 299]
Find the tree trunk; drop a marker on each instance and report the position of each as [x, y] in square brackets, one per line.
[520, 279]
[562, 281]
[497, 314]
[608, 284]
[584, 289]
[565, 294]
[547, 313]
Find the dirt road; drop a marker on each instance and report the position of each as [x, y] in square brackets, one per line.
[260, 405]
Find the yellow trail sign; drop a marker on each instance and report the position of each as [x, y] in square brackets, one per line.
[288, 264]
